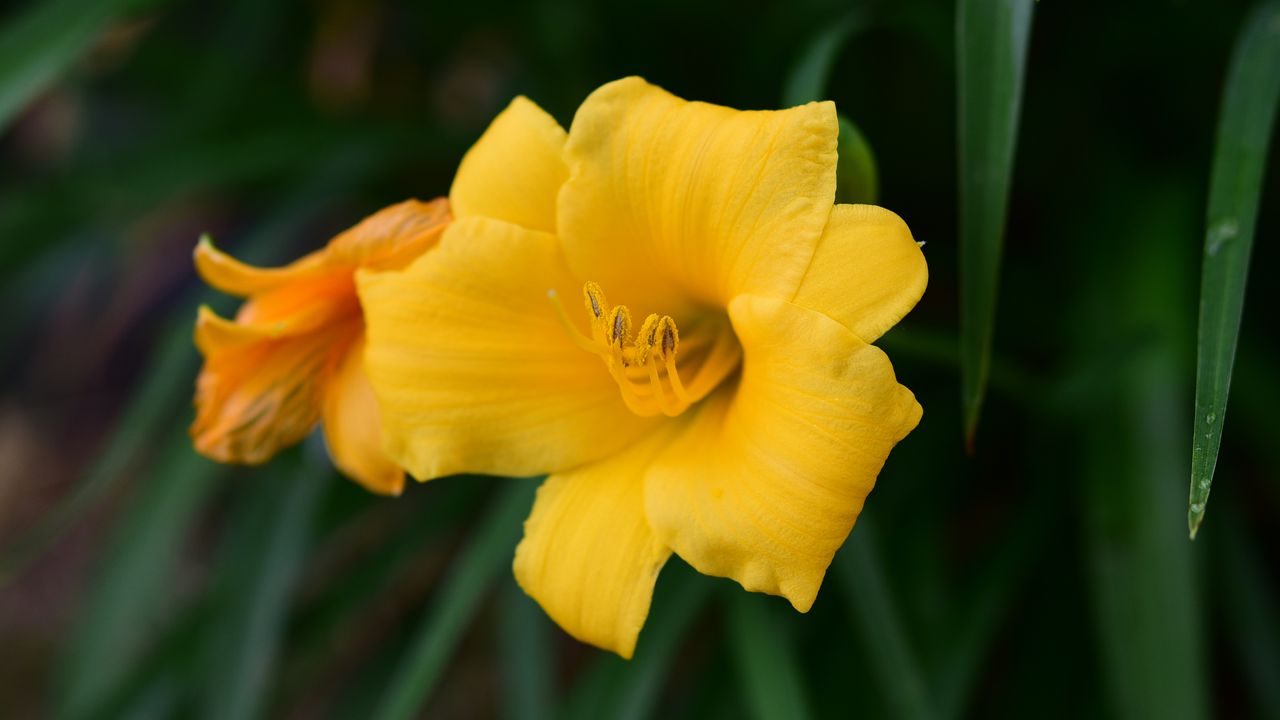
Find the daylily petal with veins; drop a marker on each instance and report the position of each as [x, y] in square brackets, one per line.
[665, 312]
[294, 354]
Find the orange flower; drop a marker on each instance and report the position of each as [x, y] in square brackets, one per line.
[294, 355]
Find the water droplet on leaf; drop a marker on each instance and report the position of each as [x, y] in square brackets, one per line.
[1220, 233]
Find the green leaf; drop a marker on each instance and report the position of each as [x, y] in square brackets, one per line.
[166, 384]
[38, 46]
[167, 377]
[811, 74]
[266, 552]
[630, 689]
[991, 52]
[130, 598]
[996, 580]
[766, 660]
[156, 684]
[382, 545]
[1249, 614]
[462, 592]
[1244, 130]
[527, 655]
[893, 662]
[1143, 576]
[856, 177]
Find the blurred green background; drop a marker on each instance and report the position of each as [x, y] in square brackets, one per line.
[1047, 575]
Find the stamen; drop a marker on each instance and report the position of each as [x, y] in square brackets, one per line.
[670, 336]
[619, 326]
[594, 298]
[575, 335]
[645, 368]
[646, 338]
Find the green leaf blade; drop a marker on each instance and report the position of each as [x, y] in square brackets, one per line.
[857, 180]
[527, 655]
[766, 661]
[462, 592]
[39, 46]
[894, 662]
[259, 571]
[129, 598]
[809, 77]
[991, 51]
[1244, 130]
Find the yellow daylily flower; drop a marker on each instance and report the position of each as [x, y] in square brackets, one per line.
[715, 396]
[294, 355]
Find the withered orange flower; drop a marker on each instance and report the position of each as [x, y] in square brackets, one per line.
[294, 355]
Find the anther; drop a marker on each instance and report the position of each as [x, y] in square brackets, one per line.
[670, 336]
[619, 326]
[594, 297]
[647, 338]
[645, 366]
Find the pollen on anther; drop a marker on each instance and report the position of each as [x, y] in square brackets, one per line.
[647, 337]
[594, 296]
[619, 325]
[670, 335]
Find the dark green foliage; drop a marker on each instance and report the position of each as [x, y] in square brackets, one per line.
[1045, 576]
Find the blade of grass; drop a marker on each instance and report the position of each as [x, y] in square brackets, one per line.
[462, 592]
[641, 682]
[361, 581]
[129, 599]
[811, 74]
[997, 583]
[266, 552]
[37, 47]
[1239, 160]
[629, 690]
[1144, 578]
[893, 661]
[153, 405]
[765, 658]
[166, 383]
[1249, 612]
[527, 655]
[154, 687]
[991, 53]
[857, 180]
[856, 177]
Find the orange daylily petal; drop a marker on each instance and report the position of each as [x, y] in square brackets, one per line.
[867, 272]
[304, 305]
[256, 398]
[233, 277]
[672, 203]
[353, 428]
[768, 480]
[392, 237]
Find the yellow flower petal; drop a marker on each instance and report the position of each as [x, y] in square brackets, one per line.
[867, 272]
[233, 277]
[255, 398]
[392, 237]
[514, 170]
[588, 555]
[671, 200]
[473, 370]
[353, 427]
[770, 477]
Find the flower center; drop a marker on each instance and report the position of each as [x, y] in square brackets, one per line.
[648, 366]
